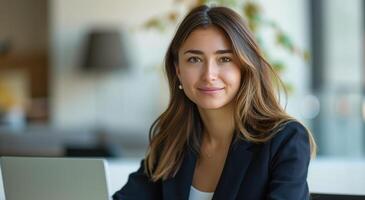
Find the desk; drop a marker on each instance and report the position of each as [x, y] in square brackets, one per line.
[337, 176]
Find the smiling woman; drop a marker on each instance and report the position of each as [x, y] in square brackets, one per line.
[224, 134]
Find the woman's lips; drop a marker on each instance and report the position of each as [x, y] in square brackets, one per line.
[210, 90]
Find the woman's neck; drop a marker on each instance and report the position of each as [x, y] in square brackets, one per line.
[218, 125]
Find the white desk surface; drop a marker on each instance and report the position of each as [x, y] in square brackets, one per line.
[336, 176]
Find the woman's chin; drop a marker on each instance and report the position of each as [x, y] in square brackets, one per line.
[210, 105]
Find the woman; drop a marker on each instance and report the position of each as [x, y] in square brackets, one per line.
[224, 134]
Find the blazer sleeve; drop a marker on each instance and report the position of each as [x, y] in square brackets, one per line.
[139, 187]
[290, 151]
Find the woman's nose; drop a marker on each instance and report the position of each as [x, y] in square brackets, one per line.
[210, 70]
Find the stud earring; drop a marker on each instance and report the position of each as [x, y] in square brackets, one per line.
[180, 87]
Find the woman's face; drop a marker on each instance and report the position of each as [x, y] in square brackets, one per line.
[207, 68]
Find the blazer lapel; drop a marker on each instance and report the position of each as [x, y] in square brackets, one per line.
[178, 187]
[238, 159]
[236, 164]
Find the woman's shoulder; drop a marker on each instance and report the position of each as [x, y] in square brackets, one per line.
[291, 134]
[292, 128]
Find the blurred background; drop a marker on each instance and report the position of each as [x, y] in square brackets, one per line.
[88, 73]
[84, 77]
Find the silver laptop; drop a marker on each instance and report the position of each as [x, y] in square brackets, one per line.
[54, 178]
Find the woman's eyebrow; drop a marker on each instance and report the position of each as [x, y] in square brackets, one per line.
[223, 51]
[194, 52]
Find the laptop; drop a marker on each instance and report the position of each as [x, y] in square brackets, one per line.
[54, 178]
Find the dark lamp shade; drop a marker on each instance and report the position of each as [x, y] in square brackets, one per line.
[104, 51]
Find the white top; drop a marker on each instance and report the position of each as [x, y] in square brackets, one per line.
[196, 194]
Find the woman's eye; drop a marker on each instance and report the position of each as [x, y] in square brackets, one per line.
[194, 60]
[225, 59]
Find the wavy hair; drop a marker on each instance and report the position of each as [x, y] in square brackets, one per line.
[258, 114]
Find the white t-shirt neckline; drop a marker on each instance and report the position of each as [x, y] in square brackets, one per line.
[196, 194]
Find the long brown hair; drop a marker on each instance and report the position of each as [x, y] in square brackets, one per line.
[258, 114]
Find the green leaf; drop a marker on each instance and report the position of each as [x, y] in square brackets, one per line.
[278, 66]
[285, 41]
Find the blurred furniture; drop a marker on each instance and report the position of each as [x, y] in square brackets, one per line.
[24, 47]
[92, 151]
[47, 141]
[35, 67]
[317, 196]
[105, 51]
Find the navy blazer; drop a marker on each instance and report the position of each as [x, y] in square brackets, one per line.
[275, 170]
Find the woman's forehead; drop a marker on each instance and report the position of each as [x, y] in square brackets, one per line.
[209, 39]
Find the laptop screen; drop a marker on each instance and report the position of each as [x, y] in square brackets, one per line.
[54, 178]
